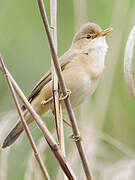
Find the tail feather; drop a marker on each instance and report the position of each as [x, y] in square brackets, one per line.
[13, 135]
[18, 129]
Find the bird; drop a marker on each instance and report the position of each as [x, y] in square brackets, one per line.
[82, 66]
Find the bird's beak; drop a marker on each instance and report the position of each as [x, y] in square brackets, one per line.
[106, 31]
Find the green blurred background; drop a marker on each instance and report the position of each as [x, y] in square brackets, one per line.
[24, 47]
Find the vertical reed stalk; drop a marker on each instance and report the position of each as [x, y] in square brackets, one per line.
[55, 84]
[75, 129]
[58, 110]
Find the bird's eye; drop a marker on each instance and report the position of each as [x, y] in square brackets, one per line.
[88, 36]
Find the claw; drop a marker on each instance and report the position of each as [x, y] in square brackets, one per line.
[62, 97]
[75, 138]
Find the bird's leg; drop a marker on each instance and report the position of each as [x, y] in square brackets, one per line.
[44, 102]
[62, 97]
[67, 123]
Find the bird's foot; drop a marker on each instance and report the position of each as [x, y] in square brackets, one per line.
[75, 138]
[62, 97]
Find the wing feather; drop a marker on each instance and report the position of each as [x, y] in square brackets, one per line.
[64, 60]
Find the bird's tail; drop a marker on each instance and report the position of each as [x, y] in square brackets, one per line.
[18, 129]
[13, 135]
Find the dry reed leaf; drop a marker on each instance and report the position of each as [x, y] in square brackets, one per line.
[128, 67]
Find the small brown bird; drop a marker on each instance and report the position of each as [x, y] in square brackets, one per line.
[82, 66]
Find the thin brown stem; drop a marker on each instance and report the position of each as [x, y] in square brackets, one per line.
[57, 107]
[33, 145]
[64, 90]
[55, 84]
[49, 138]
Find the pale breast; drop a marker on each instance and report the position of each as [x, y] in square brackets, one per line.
[82, 75]
[80, 84]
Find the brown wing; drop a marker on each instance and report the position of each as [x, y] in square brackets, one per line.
[64, 60]
[45, 79]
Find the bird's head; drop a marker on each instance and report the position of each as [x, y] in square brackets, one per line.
[90, 36]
